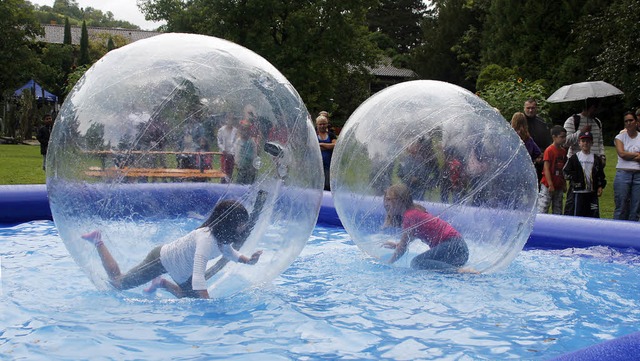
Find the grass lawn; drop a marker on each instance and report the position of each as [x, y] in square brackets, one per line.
[22, 164]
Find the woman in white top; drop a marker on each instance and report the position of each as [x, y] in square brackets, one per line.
[227, 136]
[626, 185]
[185, 259]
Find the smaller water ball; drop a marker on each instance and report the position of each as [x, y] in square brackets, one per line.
[427, 175]
[158, 133]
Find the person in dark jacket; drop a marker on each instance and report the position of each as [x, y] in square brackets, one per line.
[538, 129]
[44, 132]
[585, 173]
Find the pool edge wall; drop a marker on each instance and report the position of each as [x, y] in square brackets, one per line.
[24, 203]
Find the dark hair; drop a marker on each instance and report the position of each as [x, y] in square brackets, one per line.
[632, 113]
[224, 220]
[531, 100]
[591, 102]
[556, 130]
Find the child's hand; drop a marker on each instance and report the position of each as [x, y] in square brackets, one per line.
[390, 245]
[254, 257]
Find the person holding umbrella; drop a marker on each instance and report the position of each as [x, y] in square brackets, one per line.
[585, 121]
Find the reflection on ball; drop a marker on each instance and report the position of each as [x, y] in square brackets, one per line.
[459, 159]
[160, 130]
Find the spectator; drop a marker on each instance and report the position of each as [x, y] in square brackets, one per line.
[585, 121]
[227, 136]
[44, 133]
[626, 185]
[327, 142]
[585, 174]
[452, 183]
[538, 129]
[246, 152]
[552, 184]
[188, 146]
[419, 170]
[204, 161]
[520, 125]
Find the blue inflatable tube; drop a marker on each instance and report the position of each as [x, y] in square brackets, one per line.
[619, 349]
[23, 203]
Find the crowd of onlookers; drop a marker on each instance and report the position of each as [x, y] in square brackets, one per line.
[569, 159]
[570, 162]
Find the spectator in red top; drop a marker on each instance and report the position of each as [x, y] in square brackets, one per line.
[553, 184]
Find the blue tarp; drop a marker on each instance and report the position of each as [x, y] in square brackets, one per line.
[37, 88]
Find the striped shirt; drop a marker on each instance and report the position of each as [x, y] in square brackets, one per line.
[572, 135]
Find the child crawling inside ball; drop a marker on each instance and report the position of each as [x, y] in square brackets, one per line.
[448, 251]
[185, 259]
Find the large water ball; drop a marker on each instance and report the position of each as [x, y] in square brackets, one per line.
[158, 132]
[458, 158]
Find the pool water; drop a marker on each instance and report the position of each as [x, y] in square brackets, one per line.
[333, 302]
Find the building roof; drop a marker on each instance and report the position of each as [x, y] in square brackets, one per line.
[54, 33]
[385, 69]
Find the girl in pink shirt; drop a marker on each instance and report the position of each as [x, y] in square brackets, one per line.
[447, 248]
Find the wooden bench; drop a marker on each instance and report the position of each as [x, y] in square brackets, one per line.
[177, 173]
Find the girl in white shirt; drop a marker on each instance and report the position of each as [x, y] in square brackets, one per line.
[185, 259]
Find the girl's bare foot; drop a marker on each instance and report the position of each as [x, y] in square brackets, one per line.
[468, 270]
[95, 237]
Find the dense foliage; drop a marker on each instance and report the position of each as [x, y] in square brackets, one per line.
[503, 50]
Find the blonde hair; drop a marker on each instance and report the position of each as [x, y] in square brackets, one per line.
[322, 118]
[519, 124]
[402, 194]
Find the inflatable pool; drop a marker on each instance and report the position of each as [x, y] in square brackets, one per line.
[25, 203]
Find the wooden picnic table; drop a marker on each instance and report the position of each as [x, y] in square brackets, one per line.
[180, 173]
[146, 172]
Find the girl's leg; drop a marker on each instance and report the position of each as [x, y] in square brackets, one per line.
[150, 268]
[160, 282]
[108, 262]
[448, 255]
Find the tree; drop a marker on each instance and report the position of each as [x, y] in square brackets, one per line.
[64, 10]
[67, 32]
[399, 21]
[110, 44]
[316, 44]
[84, 46]
[17, 57]
[531, 35]
[610, 40]
[509, 95]
[102, 43]
[57, 62]
[444, 25]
